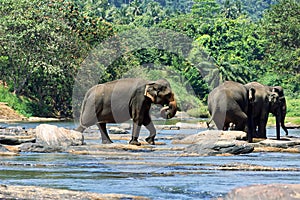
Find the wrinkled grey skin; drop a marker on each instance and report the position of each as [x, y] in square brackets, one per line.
[229, 103]
[124, 99]
[268, 100]
[279, 112]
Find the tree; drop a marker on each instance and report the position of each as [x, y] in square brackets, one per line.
[43, 44]
[280, 27]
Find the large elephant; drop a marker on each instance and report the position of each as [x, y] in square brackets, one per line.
[230, 103]
[268, 100]
[124, 99]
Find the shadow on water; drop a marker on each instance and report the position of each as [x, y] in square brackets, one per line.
[147, 173]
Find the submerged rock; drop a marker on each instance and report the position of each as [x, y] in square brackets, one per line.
[34, 192]
[265, 192]
[54, 136]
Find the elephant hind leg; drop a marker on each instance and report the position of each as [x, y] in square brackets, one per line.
[80, 128]
[152, 131]
[240, 121]
[219, 120]
[104, 135]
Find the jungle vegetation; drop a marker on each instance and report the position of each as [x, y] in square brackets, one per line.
[43, 44]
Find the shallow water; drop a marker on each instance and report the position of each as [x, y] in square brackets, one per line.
[147, 174]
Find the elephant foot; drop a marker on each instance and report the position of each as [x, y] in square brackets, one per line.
[134, 141]
[106, 142]
[150, 140]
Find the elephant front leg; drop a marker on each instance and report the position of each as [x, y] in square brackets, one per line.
[135, 134]
[104, 135]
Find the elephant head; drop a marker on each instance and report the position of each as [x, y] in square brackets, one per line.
[279, 109]
[160, 93]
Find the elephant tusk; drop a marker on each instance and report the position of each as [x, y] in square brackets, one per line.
[163, 112]
[164, 108]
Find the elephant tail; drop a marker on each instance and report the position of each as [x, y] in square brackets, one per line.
[81, 127]
[208, 122]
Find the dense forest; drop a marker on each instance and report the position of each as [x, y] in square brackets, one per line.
[44, 43]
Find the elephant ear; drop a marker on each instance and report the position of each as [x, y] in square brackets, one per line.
[150, 92]
[251, 95]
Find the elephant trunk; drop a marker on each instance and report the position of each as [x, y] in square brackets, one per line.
[169, 111]
[280, 118]
[283, 113]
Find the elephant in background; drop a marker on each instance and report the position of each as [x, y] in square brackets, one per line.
[231, 103]
[268, 99]
[124, 99]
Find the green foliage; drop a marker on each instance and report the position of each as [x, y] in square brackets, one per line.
[281, 25]
[43, 44]
[21, 105]
[293, 107]
[252, 8]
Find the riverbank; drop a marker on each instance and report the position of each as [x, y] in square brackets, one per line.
[9, 115]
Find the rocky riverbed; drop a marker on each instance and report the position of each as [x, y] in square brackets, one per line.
[169, 147]
[50, 138]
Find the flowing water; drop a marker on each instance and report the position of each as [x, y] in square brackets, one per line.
[149, 175]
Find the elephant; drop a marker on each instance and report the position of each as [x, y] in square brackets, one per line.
[124, 99]
[230, 102]
[268, 99]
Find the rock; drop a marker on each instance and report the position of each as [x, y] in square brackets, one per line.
[41, 148]
[214, 142]
[212, 135]
[34, 192]
[232, 147]
[183, 125]
[14, 148]
[265, 192]
[125, 126]
[51, 135]
[15, 129]
[210, 149]
[116, 130]
[282, 143]
[15, 140]
[182, 115]
[6, 152]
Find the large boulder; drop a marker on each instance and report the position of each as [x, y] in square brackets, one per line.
[51, 135]
[265, 192]
[213, 142]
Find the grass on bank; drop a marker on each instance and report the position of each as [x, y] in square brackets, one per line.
[20, 104]
[293, 107]
[288, 120]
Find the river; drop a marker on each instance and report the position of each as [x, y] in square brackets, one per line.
[148, 174]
